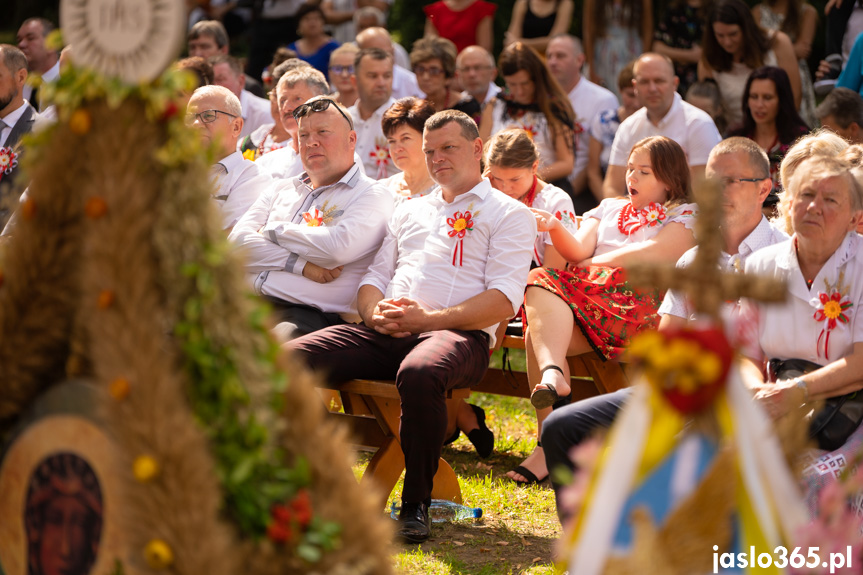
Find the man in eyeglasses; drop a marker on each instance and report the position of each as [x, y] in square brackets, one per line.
[476, 70]
[453, 265]
[216, 113]
[310, 240]
[373, 78]
[741, 167]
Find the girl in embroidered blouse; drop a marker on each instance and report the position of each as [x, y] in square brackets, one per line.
[535, 102]
[814, 339]
[591, 307]
[511, 160]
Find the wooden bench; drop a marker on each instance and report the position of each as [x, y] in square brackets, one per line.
[372, 410]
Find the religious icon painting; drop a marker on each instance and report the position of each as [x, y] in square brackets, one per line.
[58, 494]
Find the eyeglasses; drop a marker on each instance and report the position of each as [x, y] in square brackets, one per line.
[469, 69]
[206, 117]
[319, 106]
[731, 181]
[336, 69]
[420, 70]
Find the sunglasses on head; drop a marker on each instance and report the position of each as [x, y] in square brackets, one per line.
[319, 106]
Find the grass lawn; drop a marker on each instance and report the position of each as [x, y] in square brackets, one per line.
[519, 527]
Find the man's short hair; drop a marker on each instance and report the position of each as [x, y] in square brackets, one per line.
[756, 156]
[311, 77]
[232, 63]
[370, 12]
[287, 66]
[843, 105]
[13, 58]
[232, 103]
[654, 55]
[468, 127]
[574, 41]
[373, 53]
[47, 25]
[212, 28]
[488, 55]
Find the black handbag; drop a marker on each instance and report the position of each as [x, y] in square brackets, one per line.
[836, 421]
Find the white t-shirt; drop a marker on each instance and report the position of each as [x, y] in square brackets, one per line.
[687, 125]
[588, 100]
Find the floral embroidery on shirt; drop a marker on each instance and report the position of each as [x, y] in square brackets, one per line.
[8, 161]
[565, 216]
[321, 216]
[381, 157]
[461, 223]
[831, 306]
[531, 130]
[630, 221]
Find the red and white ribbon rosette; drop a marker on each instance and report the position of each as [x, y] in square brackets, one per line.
[831, 310]
[314, 217]
[8, 161]
[461, 224]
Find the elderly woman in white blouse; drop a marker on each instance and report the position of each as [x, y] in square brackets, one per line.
[814, 340]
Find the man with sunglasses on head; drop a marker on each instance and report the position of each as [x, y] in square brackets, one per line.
[216, 113]
[309, 240]
[453, 265]
[373, 78]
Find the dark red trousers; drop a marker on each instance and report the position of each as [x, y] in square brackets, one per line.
[424, 366]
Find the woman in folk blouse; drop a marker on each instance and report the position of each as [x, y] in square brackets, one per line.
[592, 307]
[511, 160]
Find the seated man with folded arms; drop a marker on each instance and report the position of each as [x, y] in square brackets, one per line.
[743, 171]
[309, 240]
[453, 265]
[215, 112]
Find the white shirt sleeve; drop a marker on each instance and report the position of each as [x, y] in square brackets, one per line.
[703, 136]
[510, 254]
[383, 267]
[260, 253]
[355, 234]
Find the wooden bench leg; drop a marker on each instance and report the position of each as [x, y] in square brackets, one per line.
[446, 484]
[385, 468]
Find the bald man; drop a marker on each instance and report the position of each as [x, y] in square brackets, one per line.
[664, 114]
[404, 81]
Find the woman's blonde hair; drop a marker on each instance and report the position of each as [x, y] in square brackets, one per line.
[511, 148]
[821, 142]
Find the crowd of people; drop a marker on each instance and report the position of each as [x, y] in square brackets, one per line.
[396, 208]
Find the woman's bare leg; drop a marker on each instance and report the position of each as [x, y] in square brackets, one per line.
[548, 342]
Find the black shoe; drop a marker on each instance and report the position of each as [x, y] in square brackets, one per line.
[414, 525]
[482, 438]
[826, 84]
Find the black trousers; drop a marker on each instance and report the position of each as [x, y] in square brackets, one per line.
[570, 425]
[424, 366]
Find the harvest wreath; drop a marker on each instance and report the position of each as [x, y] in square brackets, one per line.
[118, 271]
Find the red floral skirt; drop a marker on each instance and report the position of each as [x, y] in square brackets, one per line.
[607, 309]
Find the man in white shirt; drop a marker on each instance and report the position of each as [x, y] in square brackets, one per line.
[565, 59]
[404, 81]
[209, 38]
[373, 78]
[452, 266]
[17, 117]
[742, 169]
[216, 113]
[664, 114]
[476, 70]
[228, 73]
[295, 87]
[309, 241]
[41, 61]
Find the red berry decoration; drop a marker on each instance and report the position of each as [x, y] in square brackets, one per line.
[278, 532]
[280, 513]
[170, 111]
[95, 208]
[302, 508]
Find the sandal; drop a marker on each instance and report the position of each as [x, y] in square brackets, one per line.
[531, 477]
[547, 395]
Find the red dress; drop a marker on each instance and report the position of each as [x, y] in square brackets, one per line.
[460, 27]
[607, 309]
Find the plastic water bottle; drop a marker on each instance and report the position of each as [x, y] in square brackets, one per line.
[442, 510]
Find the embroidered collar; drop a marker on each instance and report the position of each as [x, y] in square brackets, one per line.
[787, 261]
[630, 221]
